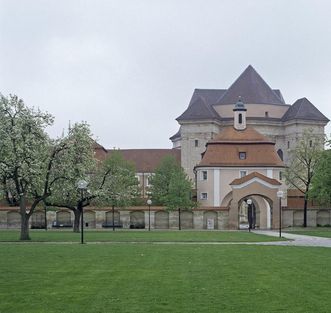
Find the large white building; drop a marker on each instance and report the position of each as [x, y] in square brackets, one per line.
[210, 110]
[234, 144]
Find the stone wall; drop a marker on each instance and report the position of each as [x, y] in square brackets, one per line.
[196, 219]
[315, 217]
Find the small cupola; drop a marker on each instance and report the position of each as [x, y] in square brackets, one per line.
[239, 115]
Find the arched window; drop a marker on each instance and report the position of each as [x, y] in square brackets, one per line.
[280, 153]
[240, 118]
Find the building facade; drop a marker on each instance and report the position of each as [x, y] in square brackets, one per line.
[233, 143]
[210, 110]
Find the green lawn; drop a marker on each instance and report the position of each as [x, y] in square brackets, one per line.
[319, 232]
[150, 278]
[137, 236]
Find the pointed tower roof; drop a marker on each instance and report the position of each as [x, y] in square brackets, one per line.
[303, 109]
[252, 88]
[198, 110]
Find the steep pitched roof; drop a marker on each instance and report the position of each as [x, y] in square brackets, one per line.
[305, 110]
[146, 160]
[100, 152]
[252, 88]
[198, 110]
[253, 175]
[209, 95]
[96, 145]
[175, 136]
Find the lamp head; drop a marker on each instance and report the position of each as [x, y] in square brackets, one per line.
[82, 184]
[280, 193]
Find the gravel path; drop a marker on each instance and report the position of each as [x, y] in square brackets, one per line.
[295, 240]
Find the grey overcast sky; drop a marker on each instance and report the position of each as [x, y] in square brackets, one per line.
[129, 68]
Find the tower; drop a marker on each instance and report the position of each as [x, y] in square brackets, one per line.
[239, 115]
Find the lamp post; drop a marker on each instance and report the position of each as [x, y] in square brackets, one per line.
[82, 185]
[280, 195]
[249, 202]
[45, 208]
[149, 202]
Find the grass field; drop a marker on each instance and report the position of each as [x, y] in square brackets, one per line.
[319, 232]
[137, 236]
[151, 278]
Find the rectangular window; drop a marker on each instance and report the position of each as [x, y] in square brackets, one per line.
[243, 173]
[280, 175]
[196, 143]
[204, 175]
[203, 196]
[288, 145]
[266, 114]
[148, 180]
[242, 155]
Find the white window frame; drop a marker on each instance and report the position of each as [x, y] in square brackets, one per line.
[202, 175]
[203, 196]
[242, 171]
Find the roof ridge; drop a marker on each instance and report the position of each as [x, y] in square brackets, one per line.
[199, 109]
[303, 109]
[252, 88]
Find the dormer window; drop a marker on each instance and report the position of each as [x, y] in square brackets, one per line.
[242, 155]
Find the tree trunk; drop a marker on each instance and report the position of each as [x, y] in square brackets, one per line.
[305, 212]
[179, 221]
[24, 220]
[77, 214]
[113, 208]
[25, 227]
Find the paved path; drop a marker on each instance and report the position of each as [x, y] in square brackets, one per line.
[296, 240]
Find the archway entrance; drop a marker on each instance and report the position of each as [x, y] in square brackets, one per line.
[261, 212]
[262, 191]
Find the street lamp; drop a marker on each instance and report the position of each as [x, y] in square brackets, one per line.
[82, 185]
[280, 195]
[249, 202]
[149, 202]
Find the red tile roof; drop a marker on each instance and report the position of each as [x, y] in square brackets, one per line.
[147, 160]
[230, 134]
[224, 149]
[250, 176]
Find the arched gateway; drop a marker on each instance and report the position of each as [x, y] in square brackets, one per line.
[240, 164]
[262, 190]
